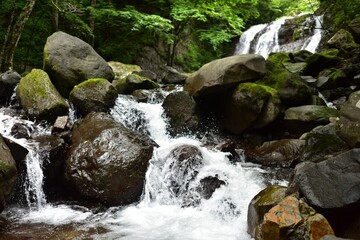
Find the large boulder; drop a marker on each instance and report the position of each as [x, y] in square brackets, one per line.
[108, 163]
[304, 118]
[96, 94]
[181, 109]
[292, 90]
[261, 204]
[221, 74]
[293, 219]
[132, 82]
[321, 60]
[39, 97]
[348, 126]
[251, 105]
[121, 70]
[172, 76]
[341, 39]
[8, 174]
[68, 60]
[8, 81]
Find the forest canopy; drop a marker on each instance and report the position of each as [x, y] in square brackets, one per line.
[187, 33]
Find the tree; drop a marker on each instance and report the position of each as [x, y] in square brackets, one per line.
[13, 34]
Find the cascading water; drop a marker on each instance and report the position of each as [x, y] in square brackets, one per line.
[264, 38]
[173, 205]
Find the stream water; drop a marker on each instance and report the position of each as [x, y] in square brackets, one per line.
[159, 214]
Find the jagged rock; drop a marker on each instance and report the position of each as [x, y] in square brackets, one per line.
[282, 153]
[348, 126]
[172, 76]
[61, 124]
[251, 105]
[292, 90]
[333, 183]
[321, 142]
[340, 39]
[121, 70]
[38, 96]
[95, 94]
[331, 78]
[293, 219]
[8, 174]
[221, 74]
[69, 61]
[321, 60]
[133, 82]
[181, 109]
[261, 204]
[208, 185]
[108, 163]
[304, 118]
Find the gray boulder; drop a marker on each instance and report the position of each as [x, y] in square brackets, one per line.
[132, 82]
[348, 126]
[96, 94]
[8, 81]
[108, 163]
[69, 61]
[251, 105]
[8, 174]
[38, 96]
[333, 183]
[181, 109]
[223, 73]
[172, 76]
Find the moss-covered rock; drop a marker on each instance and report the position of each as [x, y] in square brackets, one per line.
[291, 88]
[341, 39]
[96, 94]
[331, 78]
[261, 204]
[354, 27]
[321, 60]
[8, 173]
[39, 97]
[251, 105]
[68, 60]
[121, 70]
[132, 82]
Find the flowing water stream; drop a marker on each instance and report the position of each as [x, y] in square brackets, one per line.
[160, 214]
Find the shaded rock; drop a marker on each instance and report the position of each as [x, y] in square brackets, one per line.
[304, 118]
[208, 185]
[221, 74]
[172, 76]
[19, 130]
[251, 105]
[281, 153]
[340, 39]
[321, 60]
[333, 183]
[261, 204]
[8, 81]
[69, 61]
[331, 78]
[181, 109]
[348, 126]
[133, 82]
[354, 27]
[122, 70]
[321, 142]
[38, 96]
[108, 163]
[332, 237]
[293, 219]
[8, 174]
[95, 94]
[291, 88]
[148, 74]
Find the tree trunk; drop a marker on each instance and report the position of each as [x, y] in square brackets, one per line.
[92, 23]
[13, 35]
[55, 16]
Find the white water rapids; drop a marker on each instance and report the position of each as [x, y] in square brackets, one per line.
[159, 215]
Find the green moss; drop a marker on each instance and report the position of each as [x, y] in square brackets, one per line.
[259, 91]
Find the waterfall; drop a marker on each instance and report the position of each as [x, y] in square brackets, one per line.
[264, 38]
[173, 205]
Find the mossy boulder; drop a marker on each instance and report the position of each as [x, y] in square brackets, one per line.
[251, 105]
[132, 82]
[331, 78]
[69, 61]
[341, 39]
[320, 142]
[182, 111]
[39, 97]
[354, 27]
[348, 126]
[219, 75]
[8, 173]
[106, 162]
[121, 70]
[261, 204]
[299, 120]
[96, 94]
[321, 60]
[291, 88]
